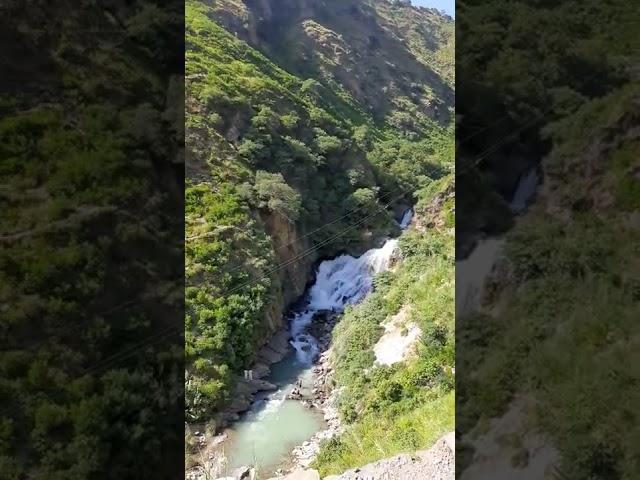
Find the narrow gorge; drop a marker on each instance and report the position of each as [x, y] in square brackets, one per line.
[300, 181]
[294, 409]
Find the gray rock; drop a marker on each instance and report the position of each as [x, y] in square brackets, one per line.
[300, 474]
[242, 473]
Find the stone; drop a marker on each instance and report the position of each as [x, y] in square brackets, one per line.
[450, 441]
[238, 405]
[260, 370]
[300, 474]
[242, 473]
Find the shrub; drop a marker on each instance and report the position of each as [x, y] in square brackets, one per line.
[273, 193]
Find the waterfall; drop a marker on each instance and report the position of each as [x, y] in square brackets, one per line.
[406, 219]
[525, 191]
[274, 425]
[341, 281]
[472, 272]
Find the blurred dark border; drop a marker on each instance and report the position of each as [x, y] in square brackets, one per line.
[547, 235]
[91, 240]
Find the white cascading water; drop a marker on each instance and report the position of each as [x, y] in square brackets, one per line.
[526, 189]
[472, 272]
[339, 282]
[275, 424]
[406, 219]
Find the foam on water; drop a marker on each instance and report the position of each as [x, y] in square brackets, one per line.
[339, 282]
[275, 424]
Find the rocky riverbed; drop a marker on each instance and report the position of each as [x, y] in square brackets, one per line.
[265, 435]
[323, 395]
[247, 388]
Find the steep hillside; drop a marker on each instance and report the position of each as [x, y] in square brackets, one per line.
[402, 404]
[396, 61]
[284, 169]
[549, 361]
[523, 65]
[561, 311]
[91, 178]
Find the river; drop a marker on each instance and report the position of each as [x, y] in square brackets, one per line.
[265, 436]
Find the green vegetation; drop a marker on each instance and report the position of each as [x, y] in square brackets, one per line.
[518, 81]
[274, 152]
[567, 335]
[377, 437]
[229, 336]
[90, 259]
[391, 62]
[560, 328]
[406, 406]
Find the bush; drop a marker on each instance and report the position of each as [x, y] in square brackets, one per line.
[365, 201]
[328, 144]
[273, 193]
[404, 406]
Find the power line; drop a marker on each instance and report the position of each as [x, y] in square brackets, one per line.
[318, 229]
[167, 332]
[495, 147]
[317, 246]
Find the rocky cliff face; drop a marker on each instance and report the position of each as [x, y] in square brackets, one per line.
[292, 251]
[395, 60]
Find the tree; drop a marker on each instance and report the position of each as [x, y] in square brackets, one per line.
[362, 137]
[364, 199]
[274, 193]
[266, 120]
[328, 144]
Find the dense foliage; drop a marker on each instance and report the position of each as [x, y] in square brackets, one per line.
[569, 332]
[558, 326]
[523, 65]
[90, 258]
[272, 153]
[406, 406]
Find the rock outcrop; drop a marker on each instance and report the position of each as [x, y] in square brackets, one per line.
[292, 252]
[368, 48]
[436, 463]
[300, 474]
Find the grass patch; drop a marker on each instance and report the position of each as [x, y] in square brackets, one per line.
[379, 437]
[406, 406]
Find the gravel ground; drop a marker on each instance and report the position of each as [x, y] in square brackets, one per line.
[436, 463]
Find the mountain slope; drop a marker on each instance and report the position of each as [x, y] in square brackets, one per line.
[282, 170]
[91, 261]
[547, 361]
[407, 405]
[396, 61]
